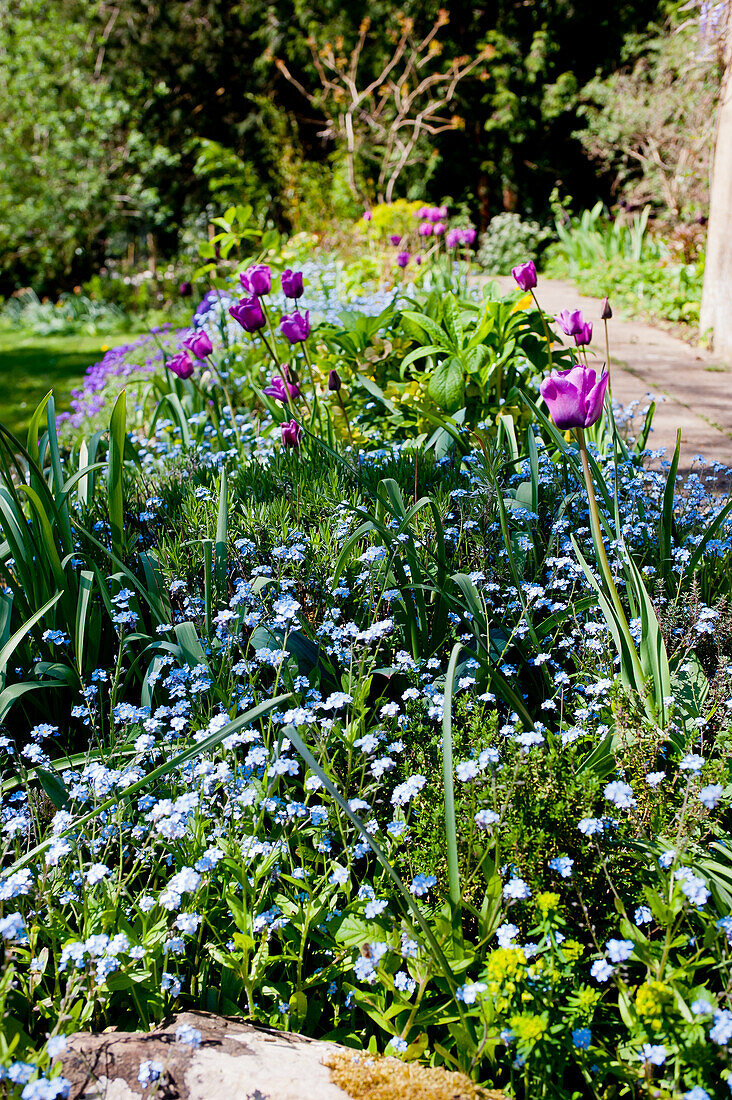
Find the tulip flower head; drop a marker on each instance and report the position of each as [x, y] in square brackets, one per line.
[291, 432]
[296, 327]
[570, 321]
[395, 239]
[292, 285]
[606, 312]
[248, 312]
[367, 215]
[334, 381]
[185, 290]
[199, 344]
[403, 259]
[258, 279]
[434, 214]
[423, 212]
[276, 389]
[584, 336]
[574, 397]
[181, 364]
[468, 236]
[438, 229]
[525, 275]
[453, 238]
[425, 230]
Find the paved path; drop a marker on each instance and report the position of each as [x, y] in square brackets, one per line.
[693, 390]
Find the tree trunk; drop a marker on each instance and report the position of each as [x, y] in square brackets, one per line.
[716, 305]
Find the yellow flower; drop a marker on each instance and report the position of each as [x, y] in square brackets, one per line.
[527, 1028]
[505, 964]
[105, 347]
[572, 950]
[650, 1000]
[548, 903]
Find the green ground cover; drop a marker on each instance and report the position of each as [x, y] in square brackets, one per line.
[31, 365]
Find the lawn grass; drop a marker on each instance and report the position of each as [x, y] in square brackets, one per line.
[31, 365]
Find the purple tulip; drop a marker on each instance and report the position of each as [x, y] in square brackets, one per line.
[443, 211]
[292, 286]
[574, 397]
[423, 212]
[434, 214]
[584, 335]
[438, 229]
[454, 238]
[403, 259]
[296, 327]
[258, 279]
[468, 236]
[425, 230]
[248, 312]
[367, 215]
[181, 364]
[606, 312]
[199, 344]
[395, 239]
[291, 433]
[276, 389]
[334, 381]
[185, 290]
[525, 275]
[570, 321]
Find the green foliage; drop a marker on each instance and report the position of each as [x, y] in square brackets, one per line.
[509, 241]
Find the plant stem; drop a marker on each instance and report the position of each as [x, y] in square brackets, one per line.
[546, 330]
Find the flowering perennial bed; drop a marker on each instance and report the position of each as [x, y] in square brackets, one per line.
[373, 687]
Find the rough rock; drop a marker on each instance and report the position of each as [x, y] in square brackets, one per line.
[235, 1061]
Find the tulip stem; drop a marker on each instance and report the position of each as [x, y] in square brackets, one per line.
[281, 373]
[607, 357]
[229, 402]
[345, 417]
[546, 329]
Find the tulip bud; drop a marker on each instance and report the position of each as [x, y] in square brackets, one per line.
[570, 321]
[185, 290]
[584, 336]
[199, 344]
[606, 313]
[403, 259]
[574, 397]
[181, 364]
[525, 275]
[292, 285]
[248, 312]
[291, 432]
[395, 239]
[296, 328]
[260, 279]
[334, 381]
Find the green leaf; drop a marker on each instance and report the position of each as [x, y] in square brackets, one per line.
[447, 386]
[221, 529]
[117, 433]
[453, 869]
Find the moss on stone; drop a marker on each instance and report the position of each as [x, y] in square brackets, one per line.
[368, 1077]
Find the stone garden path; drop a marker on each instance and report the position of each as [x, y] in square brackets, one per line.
[693, 390]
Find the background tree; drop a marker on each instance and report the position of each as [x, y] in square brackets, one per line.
[716, 307]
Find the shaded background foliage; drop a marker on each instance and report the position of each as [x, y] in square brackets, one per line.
[125, 122]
